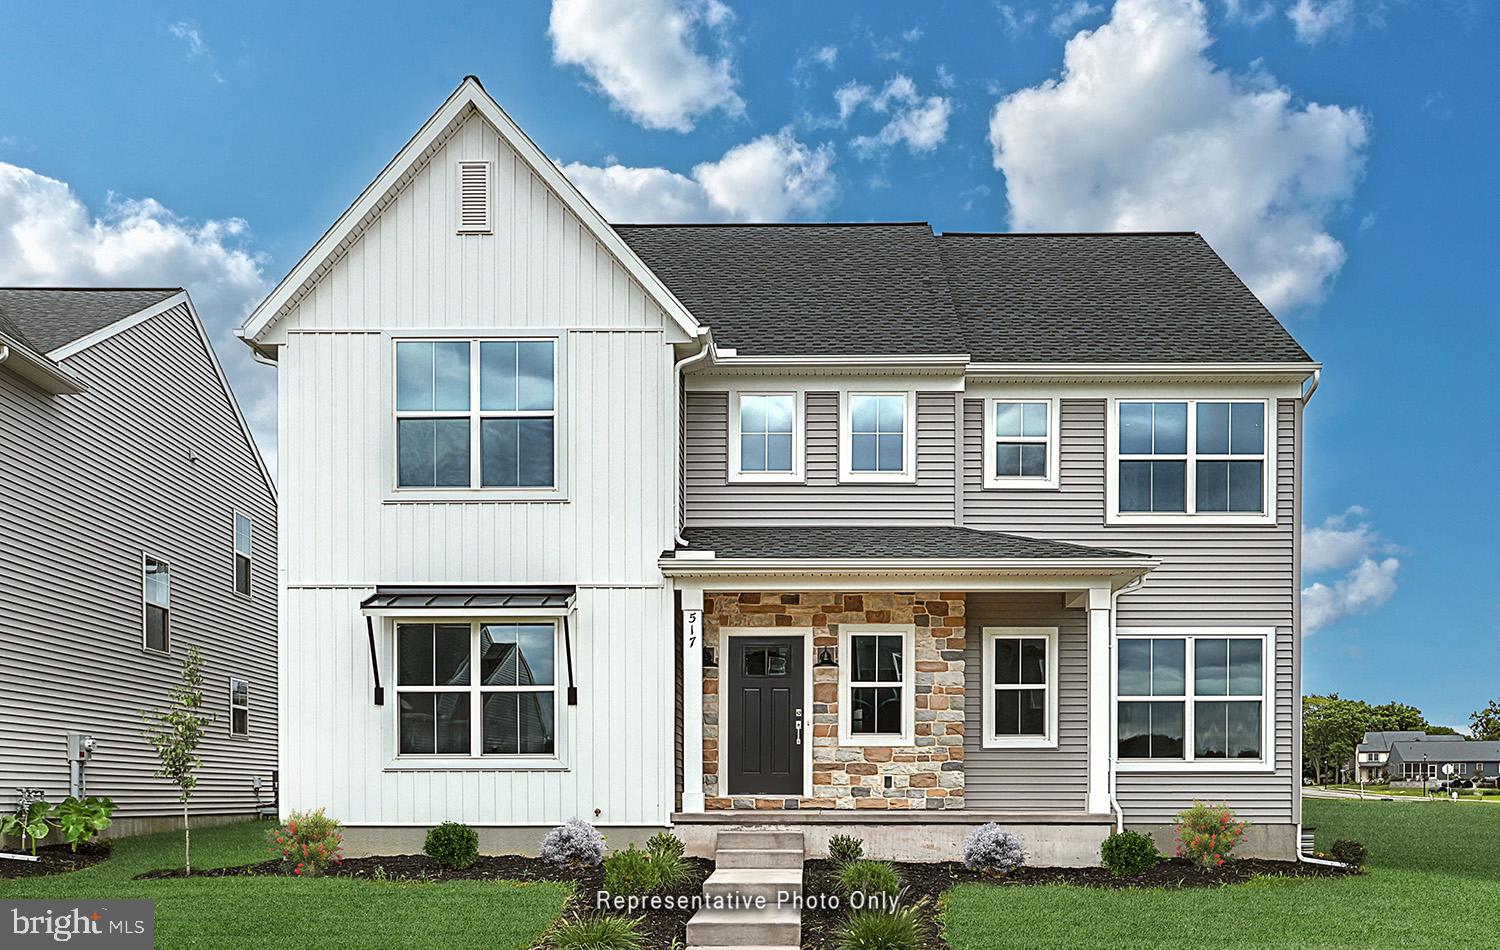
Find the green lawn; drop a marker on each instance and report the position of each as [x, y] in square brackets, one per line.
[1434, 877]
[1464, 794]
[284, 913]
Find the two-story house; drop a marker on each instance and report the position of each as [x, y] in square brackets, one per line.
[139, 520]
[1371, 755]
[827, 526]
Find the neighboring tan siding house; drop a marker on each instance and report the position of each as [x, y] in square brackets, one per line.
[942, 529]
[128, 470]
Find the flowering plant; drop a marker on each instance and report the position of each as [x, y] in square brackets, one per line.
[1207, 834]
[309, 842]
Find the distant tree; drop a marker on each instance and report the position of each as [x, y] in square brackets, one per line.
[1331, 729]
[1394, 717]
[1485, 723]
[1432, 730]
[175, 733]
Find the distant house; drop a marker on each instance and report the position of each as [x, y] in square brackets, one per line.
[1370, 755]
[1424, 759]
[138, 520]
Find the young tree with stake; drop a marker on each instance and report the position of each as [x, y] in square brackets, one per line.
[175, 733]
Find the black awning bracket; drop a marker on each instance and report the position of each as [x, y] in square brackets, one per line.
[568, 646]
[374, 661]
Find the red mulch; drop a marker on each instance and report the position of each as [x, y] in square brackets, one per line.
[55, 859]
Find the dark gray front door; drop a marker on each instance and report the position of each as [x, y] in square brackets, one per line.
[765, 715]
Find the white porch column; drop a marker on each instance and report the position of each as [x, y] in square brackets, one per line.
[1099, 699]
[692, 699]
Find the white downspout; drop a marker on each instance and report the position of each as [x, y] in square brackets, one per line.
[4, 352]
[1114, 741]
[1317, 377]
[677, 373]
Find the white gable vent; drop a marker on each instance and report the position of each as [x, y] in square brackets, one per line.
[473, 197]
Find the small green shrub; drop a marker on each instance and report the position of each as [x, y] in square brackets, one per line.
[33, 824]
[81, 819]
[1128, 853]
[881, 930]
[605, 932]
[872, 879]
[669, 869]
[309, 842]
[1208, 834]
[664, 842]
[453, 845]
[1348, 851]
[845, 849]
[630, 872]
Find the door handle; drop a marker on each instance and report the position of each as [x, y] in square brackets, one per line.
[798, 726]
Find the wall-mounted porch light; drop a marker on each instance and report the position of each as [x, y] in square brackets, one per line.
[825, 660]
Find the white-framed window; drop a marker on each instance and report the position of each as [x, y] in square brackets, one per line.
[765, 438]
[1198, 698]
[239, 706]
[242, 549]
[1020, 687]
[156, 604]
[878, 437]
[476, 689]
[1022, 447]
[477, 413]
[1175, 460]
[876, 684]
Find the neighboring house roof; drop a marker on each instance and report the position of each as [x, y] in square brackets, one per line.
[1442, 749]
[808, 289]
[882, 542]
[1381, 741]
[1107, 298]
[48, 318]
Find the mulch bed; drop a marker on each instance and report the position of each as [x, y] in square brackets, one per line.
[56, 859]
[925, 884]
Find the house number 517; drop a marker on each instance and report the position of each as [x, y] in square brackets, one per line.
[694, 627]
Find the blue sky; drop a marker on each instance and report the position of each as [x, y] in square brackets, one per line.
[1339, 152]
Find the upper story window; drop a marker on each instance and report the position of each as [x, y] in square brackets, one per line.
[156, 596]
[1191, 458]
[765, 443]
[1022, 448]
[1196, 698]
[875, 684]
[239, 706]
[1020, 676]
[878, 441]
[476, 414]
[242, 528]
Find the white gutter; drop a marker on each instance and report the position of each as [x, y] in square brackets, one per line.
[677, 370]
[1114, 742]
[687, 565]
[4, 352]
[1317, 377]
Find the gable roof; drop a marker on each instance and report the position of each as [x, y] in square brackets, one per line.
[1462, 751]
[808, 289]
[469, 98]
[1381, 741]
[883, 541]
[49, 318]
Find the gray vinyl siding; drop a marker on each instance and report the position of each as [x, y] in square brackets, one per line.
[1209, 576]
[151, 459]
[713, 500]
[1028, 779]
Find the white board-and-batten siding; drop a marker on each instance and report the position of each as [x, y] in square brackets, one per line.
[541, 272]
[150, 459]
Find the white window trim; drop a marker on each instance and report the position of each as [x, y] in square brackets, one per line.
[908, 633]
[475, 760]
[1053, 439]
[147, 556]
[474, 492]
[908, 471]
[1267, 636]
[1112, 513]
[1048, 740]
[234, 555]
[799, 438]
[233, 707]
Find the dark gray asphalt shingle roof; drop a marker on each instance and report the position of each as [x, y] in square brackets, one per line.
[45, 318]
[1470, 751]
[889, 289]
[827, 289]
[882, 542]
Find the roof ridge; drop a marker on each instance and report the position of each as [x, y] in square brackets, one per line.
[111, 290]
[770, 224]
[1028, 234]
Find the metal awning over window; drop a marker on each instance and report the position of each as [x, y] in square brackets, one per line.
[468, 601]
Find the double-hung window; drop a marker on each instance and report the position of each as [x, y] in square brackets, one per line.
[878, 442]
[476, 689]
[476, 414]
[1022, 448]
[242, 528]
[765, 442]
[156, 595]
[1192, 457]
[876, 684]
[1197, 698]
[239, 706]
[1020, 677]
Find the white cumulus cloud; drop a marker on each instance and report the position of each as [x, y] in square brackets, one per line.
[48, 237]
[1341, 540]
[1314, 20]
[648, 56]
[920, 122]
[1068, 15]
[1143, 131]
[771, 178]
[1346, 542]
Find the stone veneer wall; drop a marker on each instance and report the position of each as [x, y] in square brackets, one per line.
[927, 775]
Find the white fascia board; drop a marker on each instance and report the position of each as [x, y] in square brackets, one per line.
[469, 94]
[119, 326]
[38, 369]
[1145, 372]
[234, 405]
[1091, 566]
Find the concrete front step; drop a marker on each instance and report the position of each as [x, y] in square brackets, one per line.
[758, 858]
[753, 840]
[787, 947]
[751, 883]
[770, 927]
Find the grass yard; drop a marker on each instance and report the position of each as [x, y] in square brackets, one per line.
[275, 912]
[1433, 881]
